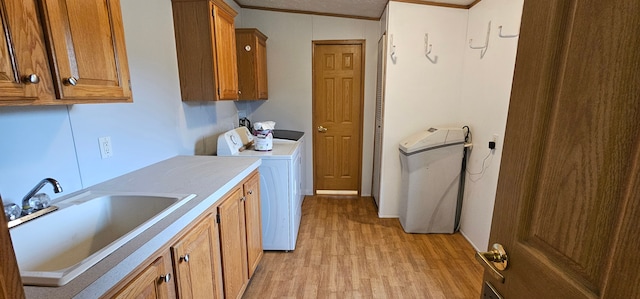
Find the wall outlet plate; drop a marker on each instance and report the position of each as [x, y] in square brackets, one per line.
[105, 147]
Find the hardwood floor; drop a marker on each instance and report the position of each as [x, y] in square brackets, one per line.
[345, 251]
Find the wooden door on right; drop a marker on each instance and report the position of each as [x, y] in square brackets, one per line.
[568, 198]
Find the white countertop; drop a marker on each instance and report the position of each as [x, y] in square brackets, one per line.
[208, 177]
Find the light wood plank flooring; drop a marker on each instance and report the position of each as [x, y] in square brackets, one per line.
[345, 251]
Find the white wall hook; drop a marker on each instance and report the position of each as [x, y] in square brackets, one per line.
[507, 35]
[393, 49]
[428, 48]
[483, 49]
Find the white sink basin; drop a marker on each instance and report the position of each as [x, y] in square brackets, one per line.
[55, 248]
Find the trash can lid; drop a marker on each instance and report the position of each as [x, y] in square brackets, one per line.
[432, 137]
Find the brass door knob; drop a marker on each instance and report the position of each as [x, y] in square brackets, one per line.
[495, 260]
[322, 129]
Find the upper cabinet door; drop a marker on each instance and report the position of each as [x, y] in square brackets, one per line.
[24, 71]
[87, 49]
[251, 47]
[225, 39]
[206, 49]
[261, 65]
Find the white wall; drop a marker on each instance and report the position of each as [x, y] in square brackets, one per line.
[62, 142]
[289, 57]
[486, 90]
[419, 94]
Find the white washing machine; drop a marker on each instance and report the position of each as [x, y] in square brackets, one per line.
[281, 187]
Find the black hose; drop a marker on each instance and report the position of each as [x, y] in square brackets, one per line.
[463, 169]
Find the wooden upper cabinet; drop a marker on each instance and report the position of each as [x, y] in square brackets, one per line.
[205, 44]
[25, 77]
[87, 49]
[251, 49]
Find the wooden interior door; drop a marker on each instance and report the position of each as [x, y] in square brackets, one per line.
[568, 198]
[338, 72]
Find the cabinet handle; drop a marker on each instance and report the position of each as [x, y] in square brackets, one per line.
[31, 79]
[243, 198]
[185, 258]
[165, 278]
[70, 81]
[250, 192]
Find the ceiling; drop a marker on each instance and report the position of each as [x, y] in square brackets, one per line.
[363, 9]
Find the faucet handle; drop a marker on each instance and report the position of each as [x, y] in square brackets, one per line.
[12, 211]
[37, 202]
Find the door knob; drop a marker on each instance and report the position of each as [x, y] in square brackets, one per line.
[494, 260]
[31, 79]
[322, 129]
[165, 278]
[70, 81]
[185, 258]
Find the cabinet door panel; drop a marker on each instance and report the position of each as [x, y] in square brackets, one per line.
[253, 222]
[87, 44]
[22, 53]
[196, 259]
[225, 36]
[261, 65]
[150, 283]
[233, 245]
[251, 47]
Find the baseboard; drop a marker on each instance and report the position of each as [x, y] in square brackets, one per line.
[469, 240]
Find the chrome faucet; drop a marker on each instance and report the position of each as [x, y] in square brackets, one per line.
[25, 200]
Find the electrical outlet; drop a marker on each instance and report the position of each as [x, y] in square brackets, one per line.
[492, 143]
[105, 147]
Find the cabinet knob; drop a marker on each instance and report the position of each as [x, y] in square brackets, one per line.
[31, 79]
[239, 91]
[165, 278]
[185, 258]
[71, 81]
[250, 192]
[243, 198]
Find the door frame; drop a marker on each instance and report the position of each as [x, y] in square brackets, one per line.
[363, 46]
[378, 128]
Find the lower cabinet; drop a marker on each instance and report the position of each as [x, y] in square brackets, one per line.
[196, 261]
[211, 258]
[233, 243]
[253, 222]
[155, 281]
